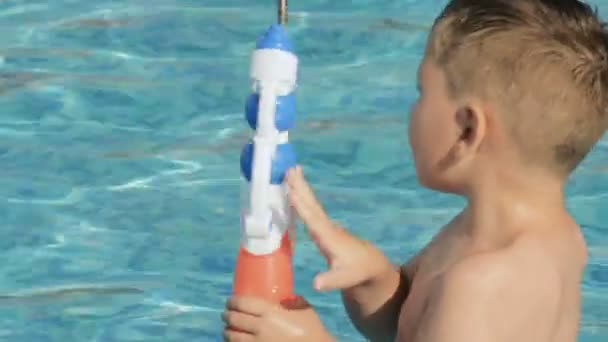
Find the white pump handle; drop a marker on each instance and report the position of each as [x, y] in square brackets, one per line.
[257, 223]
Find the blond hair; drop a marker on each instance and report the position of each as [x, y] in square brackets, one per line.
[542, 63]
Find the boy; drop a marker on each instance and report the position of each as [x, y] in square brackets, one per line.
[513, 95]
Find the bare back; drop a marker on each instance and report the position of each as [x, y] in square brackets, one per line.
[545, 261]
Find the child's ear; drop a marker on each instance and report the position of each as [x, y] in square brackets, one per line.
[472, 124]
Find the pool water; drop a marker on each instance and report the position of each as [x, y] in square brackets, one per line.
[121, 127]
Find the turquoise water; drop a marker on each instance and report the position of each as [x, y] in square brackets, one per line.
[120, 130]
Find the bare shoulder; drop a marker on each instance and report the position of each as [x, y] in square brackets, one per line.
[504, 295]
[445, 233]
[521, 268]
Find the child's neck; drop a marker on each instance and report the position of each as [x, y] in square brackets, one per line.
[503, 205]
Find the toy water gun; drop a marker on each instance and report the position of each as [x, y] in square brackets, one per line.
[264, 264]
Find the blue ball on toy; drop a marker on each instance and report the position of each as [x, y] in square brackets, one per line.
[285, 114]
[284, 158]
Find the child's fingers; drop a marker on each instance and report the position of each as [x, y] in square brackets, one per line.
[303, 200]
[237, 336]
[298, 198]
[306, 191]
[297, 182]
[249, 305]
[299, 205]
[302, 197]
[316, 224]
[241, 321]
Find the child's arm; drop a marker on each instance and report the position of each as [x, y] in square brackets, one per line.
[373, 289]
[374, 307]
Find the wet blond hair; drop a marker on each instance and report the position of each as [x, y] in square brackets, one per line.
[543, 64]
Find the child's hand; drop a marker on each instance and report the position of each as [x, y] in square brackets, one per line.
[351, 261]
[251, 319]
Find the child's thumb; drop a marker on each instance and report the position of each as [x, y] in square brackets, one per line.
[334, 279]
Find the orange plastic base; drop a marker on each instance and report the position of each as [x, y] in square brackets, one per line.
[267, 277]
